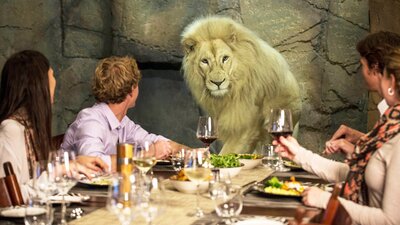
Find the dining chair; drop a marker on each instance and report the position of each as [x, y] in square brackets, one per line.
[57, 140]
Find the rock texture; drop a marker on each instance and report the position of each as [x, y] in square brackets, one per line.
[317, 37]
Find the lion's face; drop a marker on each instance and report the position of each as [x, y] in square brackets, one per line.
[214, 60]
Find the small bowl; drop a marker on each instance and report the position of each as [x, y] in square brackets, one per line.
[189, 187]
[231, 172]
[250, 163]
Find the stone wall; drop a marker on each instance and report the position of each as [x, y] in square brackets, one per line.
[317, 37]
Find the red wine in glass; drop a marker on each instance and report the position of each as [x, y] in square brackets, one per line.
[207, 140]
[278, 134]
[207, 130]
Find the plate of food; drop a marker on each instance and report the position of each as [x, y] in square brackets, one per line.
[100, 181]
[279, 188]
[228, 165]
[250, 161]
[291, 165]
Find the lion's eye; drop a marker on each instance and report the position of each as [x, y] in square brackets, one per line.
[205, 61]
[225, 58]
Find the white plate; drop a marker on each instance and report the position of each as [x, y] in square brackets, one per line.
[259, 221]
[16, 212]
[97, 181]
[69, 198]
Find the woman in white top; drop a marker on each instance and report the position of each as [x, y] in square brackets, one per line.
[371, 191]
[372, 49]
[26, 94]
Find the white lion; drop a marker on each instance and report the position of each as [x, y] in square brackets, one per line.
[237, 78]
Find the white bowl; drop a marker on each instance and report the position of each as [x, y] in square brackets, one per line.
[231, 172]
[189, 187]
[250, 163]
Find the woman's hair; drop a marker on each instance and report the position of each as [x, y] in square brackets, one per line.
[25, 85]
[376, 46]
[392, 62]
[114, 79]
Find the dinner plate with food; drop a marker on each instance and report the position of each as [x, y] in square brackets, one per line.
[279, 188]
[99, 181]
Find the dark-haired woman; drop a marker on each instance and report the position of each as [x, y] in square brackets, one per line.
[26, 94]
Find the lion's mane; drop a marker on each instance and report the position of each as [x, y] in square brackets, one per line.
[237, 78]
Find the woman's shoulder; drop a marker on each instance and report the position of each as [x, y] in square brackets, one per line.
[11, 126]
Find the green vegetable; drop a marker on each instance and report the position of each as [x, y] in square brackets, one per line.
[274, 182]
[224, 161]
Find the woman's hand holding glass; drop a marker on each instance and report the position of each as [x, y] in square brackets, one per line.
[287, 147]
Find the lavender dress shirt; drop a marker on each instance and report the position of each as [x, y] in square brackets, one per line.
[96, 131]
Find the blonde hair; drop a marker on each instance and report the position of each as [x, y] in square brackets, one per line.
[114, 79]
[392, 62]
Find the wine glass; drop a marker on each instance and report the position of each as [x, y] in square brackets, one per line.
[151, 203]
[144, 156]
[197, 170]
[63, 174]
[228, 201]
[207, 131]
[122, 196]
[280, 124]
[38, 211]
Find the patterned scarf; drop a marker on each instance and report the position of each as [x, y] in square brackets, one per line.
[386, 128]
[21, 117]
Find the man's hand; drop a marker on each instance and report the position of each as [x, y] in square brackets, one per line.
[92, 163]
[347, 133]
[163, 149]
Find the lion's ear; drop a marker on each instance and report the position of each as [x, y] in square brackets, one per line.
[188, 45]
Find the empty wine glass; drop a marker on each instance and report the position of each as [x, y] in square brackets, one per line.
[152, 201]
[207, 131]
[197, 170]
[38, 212]
[144, 156]
[122, 196]
[228, 202]
[280, 124]
[63, 174]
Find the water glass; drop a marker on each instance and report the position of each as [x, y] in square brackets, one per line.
[38, 212]
[271, 158]
[151, 202]
[228, 202]
[178, 159]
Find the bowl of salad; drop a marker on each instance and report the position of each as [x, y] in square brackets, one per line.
[250, 161]
[228, 165]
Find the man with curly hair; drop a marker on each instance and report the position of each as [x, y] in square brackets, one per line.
[98, 129]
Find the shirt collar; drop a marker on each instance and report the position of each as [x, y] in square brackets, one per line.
[111, 118]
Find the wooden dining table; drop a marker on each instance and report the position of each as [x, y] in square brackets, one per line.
[180, 205]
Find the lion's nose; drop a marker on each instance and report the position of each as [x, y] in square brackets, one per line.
[217, 82]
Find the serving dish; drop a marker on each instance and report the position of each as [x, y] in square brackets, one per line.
[189, 187]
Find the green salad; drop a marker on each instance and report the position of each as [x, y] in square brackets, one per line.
[224, 161]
